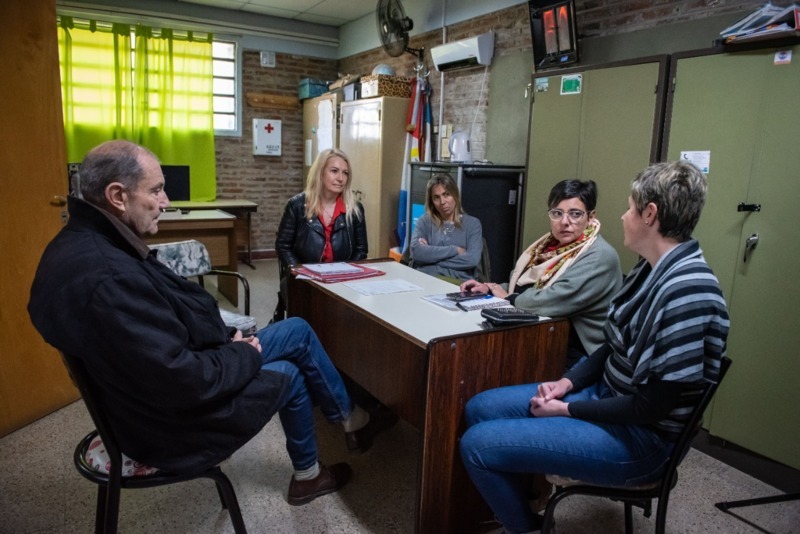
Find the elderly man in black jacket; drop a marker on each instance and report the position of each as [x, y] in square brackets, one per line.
[184, 391]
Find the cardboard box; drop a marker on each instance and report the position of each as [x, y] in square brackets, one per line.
[309, 88]
[383, 85]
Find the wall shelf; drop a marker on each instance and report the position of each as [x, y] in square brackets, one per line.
[267, 101]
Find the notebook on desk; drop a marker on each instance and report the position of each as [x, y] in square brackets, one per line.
[481, 304]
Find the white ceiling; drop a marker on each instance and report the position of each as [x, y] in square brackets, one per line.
[328, 12]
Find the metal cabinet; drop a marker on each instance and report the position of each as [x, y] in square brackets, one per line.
[373, 135]
[320, 126]
[742, 109]
[491, 193]
[601, 123]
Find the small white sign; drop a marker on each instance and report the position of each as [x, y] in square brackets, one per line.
[701, 158]
[266, 137]
[783, 57]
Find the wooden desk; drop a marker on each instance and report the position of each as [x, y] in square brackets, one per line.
[215, 229]
[425, 362]
[239, 207]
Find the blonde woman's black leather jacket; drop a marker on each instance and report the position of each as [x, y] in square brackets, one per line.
[301, 240]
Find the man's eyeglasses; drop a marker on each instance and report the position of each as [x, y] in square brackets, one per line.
[573, 215]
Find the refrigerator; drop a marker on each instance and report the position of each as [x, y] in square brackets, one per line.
[490, 192]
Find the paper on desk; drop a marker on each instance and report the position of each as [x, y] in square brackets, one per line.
[331, 268]
[382, 287]
[443, 301]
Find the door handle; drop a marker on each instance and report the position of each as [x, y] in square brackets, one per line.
[58, 200]
[749, 244]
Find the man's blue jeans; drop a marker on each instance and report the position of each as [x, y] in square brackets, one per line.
[504, 443]
[291, 347]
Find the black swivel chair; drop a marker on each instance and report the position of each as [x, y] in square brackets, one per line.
[642, 496]
[109, 485]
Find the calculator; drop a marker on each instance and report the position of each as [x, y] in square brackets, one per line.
[504, 316]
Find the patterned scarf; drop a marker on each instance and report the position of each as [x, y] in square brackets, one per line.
[544, 261]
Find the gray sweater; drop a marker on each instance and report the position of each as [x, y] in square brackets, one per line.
[582, 293]
[440, 256]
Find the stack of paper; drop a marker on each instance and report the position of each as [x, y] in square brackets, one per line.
[335, 272]
[767, 22]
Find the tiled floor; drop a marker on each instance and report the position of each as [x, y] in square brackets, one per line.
[41, 492]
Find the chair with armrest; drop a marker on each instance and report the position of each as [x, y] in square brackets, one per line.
[99, 459]
[191, 258]
[641, 496]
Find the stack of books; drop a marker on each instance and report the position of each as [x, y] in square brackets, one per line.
[767, 22]
[334, 272]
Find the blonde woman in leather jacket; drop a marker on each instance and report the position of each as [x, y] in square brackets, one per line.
[323, 224]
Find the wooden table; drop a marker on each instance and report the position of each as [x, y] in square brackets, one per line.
[215, 229]
[424, 362]
[243, 209]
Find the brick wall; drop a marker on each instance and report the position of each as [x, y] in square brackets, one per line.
[270, 181]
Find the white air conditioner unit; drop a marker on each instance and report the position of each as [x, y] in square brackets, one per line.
[470, 52]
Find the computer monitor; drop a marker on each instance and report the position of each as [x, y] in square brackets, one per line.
[176, 181]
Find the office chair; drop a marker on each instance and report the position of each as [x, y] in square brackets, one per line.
[280, 308]
[114, 475]
[641, 496]
[191, 258]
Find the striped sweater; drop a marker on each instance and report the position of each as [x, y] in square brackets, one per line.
[668, 323]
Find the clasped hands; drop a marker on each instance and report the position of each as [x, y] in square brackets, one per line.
[547, 401]
[250, 340]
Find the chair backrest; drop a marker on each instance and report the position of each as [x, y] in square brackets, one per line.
[692, 427]
[184, 258]
[484, 271]
[82, 380]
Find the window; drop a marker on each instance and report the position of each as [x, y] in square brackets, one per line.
[226, 94]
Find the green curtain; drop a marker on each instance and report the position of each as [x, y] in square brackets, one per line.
[156, 91]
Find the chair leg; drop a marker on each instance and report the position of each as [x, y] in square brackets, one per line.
[228, 498]
[280, 310]
[112, 509]
[628, 518]
[661, 514]
[100, 510]
[549, 522]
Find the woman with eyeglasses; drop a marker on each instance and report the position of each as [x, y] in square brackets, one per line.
[569, 272]
[446, 242]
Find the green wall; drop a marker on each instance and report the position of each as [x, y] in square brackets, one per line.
[666, 39]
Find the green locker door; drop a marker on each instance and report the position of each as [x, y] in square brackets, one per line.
[553, 150]
[607, 133]
[743, 108]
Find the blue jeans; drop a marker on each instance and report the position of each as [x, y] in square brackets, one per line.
[291, 347]
[504, 443]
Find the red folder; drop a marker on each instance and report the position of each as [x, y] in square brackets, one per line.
[363, 272]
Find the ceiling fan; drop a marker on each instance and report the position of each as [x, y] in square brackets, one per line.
[393, 28]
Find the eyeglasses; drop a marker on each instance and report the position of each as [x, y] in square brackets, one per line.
[573, 215]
